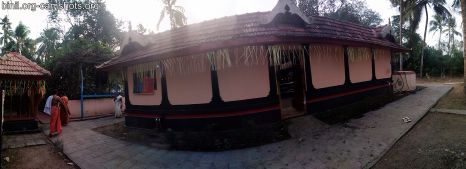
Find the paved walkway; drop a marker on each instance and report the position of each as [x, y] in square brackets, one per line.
[356, 144]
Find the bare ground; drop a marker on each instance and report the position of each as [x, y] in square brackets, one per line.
[438, 141]
[43, 156]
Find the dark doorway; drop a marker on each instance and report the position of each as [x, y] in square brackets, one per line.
[291, 82]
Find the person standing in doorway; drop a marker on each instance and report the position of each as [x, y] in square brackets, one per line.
[118, 105]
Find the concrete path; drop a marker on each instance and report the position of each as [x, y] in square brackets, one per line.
[356, 144]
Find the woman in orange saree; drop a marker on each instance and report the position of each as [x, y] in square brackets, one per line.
[55, 122]
[64, 114]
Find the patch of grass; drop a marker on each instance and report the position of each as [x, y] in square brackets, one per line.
[453, 159]
[455, 99]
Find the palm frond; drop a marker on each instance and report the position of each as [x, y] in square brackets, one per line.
[162, 15]
[172, 2]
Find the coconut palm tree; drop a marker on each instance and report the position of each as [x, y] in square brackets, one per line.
[7, 34]
[452, 33]
[21, 34]
[49, 40]
[29, 48]
[416, 8]
[401, 4]
[174, 12]
[412, 10]
[437, 25]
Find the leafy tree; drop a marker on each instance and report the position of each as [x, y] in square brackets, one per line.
[21, 33]
[452, 33]
[7, 34]
[66, 69]
[412, 10]
[93, 37]
[18, 40]
[416, 8]
[141, 30]
[174, 12]
[49, 42]
[403, 7]
[456, 62]
[9, 47]
[318, 7]
[29, 48]
[93, 24]
[435, 62]
[355, 11]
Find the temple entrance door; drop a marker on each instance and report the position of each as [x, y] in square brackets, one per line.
[291, 84]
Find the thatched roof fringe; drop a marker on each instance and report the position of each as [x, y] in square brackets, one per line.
[277, 55]
[19, 87]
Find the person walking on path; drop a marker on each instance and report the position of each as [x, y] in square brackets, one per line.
[64, 111]
[48, 105]
[55, 122]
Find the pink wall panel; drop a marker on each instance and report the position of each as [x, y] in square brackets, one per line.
[241, 81]
[190, 87]
[327, 65]
[360, 68]
[383, 68]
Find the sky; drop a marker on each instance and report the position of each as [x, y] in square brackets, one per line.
[147, 12]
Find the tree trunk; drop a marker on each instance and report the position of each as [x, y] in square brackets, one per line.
[463, 16]
[424, 44]
[439, 38]
[170, 12]
[401, 33]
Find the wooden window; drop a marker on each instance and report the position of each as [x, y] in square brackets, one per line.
[144, 82]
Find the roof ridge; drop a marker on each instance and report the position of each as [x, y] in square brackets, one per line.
[29, 62]
[210, 21]
[246, 29]
[341, 21]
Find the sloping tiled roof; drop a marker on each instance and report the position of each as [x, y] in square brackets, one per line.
[15, 64]
[249, 29]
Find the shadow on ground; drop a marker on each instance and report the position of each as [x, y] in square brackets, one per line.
[198, 141]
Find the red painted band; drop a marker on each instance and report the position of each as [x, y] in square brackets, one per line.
[210, 115]
[143, 115]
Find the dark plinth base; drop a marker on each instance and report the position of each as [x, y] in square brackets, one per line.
[20, 126]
